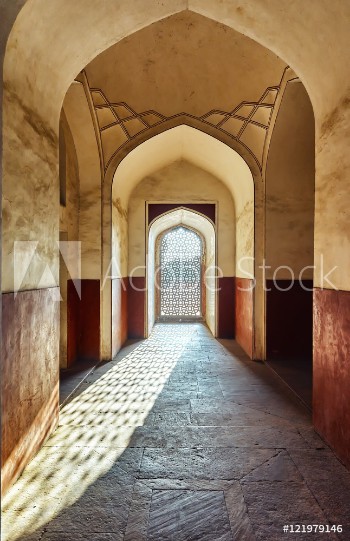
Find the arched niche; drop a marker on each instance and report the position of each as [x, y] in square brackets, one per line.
[205, 228]
[204, 151]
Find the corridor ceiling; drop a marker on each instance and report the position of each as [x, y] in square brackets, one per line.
[184, 64]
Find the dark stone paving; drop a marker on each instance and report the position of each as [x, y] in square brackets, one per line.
[180, 438]
[188, 514]
[71, 378]
[297, 373]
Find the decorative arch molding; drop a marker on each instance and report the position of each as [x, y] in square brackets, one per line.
[182, 120]
[247, 123]
[187, 208]
[181, 214]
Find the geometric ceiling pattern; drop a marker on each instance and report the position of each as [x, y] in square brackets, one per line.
[119, 123]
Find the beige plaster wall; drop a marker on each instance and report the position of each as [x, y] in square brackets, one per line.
[69, 214]
[30, 202]
[290, 184]
[245, 241]
[77, 112]
[332, 203]
[119, 239]
[182, 181]
[69, 226]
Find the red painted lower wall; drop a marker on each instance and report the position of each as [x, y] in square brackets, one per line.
[73, 323]
[288, 318]
[83, 321]
[30, 374]
[244, 314]
[331, 369]
[119, 314]
[89, 346]
[226, 307]
[136, 307]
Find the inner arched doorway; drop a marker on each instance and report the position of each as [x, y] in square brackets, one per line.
[181, 265]
[183, 167]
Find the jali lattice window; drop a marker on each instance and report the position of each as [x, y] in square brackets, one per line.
[180, 273]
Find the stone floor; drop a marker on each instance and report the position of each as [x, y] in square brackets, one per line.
[296, 372]
[180, 438]
[71, 378]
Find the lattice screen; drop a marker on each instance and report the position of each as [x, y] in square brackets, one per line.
[180, 278]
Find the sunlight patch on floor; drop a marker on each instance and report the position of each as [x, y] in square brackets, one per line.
[94, 430]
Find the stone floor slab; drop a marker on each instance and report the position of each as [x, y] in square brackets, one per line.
[271, 505]
[280, 467]
[184, 515]
[203, 463]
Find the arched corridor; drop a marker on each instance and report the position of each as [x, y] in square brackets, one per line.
[180, 437]
[211, 374]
